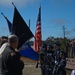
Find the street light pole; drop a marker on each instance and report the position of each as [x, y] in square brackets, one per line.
[64, 37]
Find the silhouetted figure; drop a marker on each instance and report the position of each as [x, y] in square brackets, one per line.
[11, 63]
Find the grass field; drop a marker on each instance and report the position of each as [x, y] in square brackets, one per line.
[36, 71]
[31, 71]
[30, 68]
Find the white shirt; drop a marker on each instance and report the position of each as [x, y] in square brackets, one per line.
[3, 47]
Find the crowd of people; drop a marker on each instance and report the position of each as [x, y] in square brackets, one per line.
[52, 62]
[52, 58]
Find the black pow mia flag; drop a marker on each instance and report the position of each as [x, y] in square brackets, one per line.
[20, 28]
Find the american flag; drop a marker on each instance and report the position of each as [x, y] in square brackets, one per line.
[38, 36]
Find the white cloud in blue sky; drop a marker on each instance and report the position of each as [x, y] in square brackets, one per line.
[17, 2]
[60, 21]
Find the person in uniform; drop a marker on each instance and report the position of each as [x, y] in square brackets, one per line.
[49, 60]
[56, 55]
[11, 63]
[57, 51]
[43, 51]
[60, 67]
[50, 49]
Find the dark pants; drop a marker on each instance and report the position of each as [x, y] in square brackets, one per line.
[61, 72]
[48, 71]
[43, 70]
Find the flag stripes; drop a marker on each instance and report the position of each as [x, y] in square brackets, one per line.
[38, 36]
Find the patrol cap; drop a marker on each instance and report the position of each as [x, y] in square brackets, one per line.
[50, 46]
[57, 43]
[12, 38]
[44, 45]
[62, 53]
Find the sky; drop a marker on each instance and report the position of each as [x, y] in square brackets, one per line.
[54, 15]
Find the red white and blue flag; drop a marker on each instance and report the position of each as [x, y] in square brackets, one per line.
[38, 36]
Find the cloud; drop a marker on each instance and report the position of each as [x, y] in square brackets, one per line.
[60, 21]
[17, 2]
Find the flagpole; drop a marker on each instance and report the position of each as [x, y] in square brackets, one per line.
[29, 23]
[29, 27]
[8, 22]
[13, 4]
[39, 15]
[3, 15]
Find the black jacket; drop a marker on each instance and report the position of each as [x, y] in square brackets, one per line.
[60, 68]
[11, 63]
[56, 55]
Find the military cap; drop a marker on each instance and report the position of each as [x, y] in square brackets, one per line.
[57, 43]
[44, 45]
[50, 46]
[62, 53]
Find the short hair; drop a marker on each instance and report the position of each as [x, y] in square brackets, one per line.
[12, 39]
